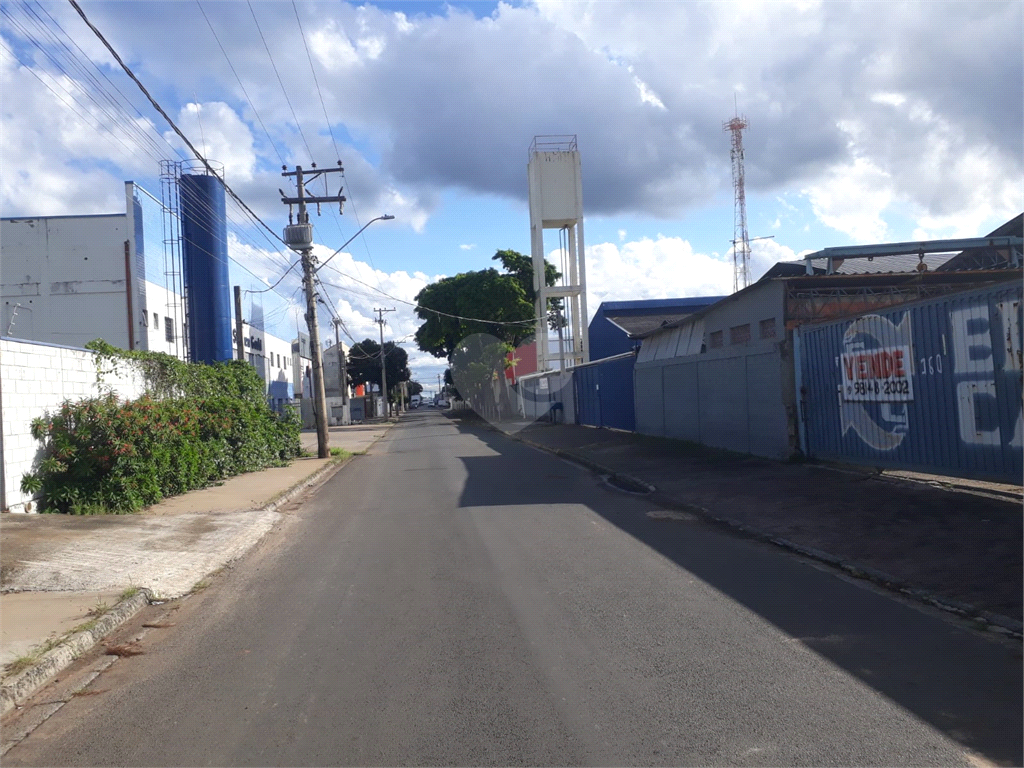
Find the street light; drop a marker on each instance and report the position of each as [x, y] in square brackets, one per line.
[385, 217]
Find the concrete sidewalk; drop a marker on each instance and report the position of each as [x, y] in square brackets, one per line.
[951, 543]
[59, 572]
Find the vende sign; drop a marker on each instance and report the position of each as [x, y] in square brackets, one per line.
[878, 375]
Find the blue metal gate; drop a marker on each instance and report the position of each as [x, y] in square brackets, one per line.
[933, 386]
[604, 394]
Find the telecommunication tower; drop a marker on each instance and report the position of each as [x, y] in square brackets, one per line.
[740, 240]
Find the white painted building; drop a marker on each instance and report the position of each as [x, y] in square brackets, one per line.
[272, 359]
[68, 280]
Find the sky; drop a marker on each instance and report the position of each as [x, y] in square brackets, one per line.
[868, 122]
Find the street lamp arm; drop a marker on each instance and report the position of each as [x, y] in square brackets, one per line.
[385, 217]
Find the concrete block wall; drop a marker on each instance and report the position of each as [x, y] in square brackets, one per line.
[35, 380]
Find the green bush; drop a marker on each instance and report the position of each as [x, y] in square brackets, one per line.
[108, 455]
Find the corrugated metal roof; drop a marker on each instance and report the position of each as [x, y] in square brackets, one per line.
[884, 265]
[637, 324]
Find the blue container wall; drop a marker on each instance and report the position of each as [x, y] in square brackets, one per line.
[205, 257]
[933, 386]
[604, 394]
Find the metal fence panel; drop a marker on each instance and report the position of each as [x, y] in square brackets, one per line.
[933, 386]
[767, 419]
[585, 383]
[617, 404]
[722, 383]
[682, 402]
[649, 395]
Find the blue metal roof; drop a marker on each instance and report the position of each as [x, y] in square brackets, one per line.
[655, 306]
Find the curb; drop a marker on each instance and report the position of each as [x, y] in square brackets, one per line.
[24, 684]
[19, 687]
[993, 622]
[320, 475]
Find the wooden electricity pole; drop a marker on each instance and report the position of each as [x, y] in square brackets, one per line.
[383, 369]
[299, 237]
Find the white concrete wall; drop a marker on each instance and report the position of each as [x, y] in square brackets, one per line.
[68, 273]
[338, 412]
[35, 380]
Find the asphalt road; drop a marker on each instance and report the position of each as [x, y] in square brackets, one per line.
[457, 598]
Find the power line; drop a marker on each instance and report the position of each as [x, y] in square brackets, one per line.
[315, 82]
[414, 305]
[240, 85]
[139, 139]
[129, 127]
[177, 130]
[86, 115]
[330, 130]
[271, 288]
[281, 82]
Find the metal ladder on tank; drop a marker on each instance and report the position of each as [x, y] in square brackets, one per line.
[174, 278]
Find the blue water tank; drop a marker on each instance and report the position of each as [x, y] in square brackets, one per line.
[205, 259]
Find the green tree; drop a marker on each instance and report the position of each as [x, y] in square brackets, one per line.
[364, 363]
[489, 296]
[521, 268]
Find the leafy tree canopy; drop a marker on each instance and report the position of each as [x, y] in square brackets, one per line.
[521, 268]
[485, 295]
[364, 363]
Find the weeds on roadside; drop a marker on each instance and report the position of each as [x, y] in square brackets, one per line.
[26, 660]
[130, 592]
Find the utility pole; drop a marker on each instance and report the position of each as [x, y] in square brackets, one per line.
[342, 369]
[440, 394]
[383, 369]
[239, 341]
[299, 237]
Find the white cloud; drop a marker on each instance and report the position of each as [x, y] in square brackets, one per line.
[428, 104]
[663, 268]
[851, 198]
[892, 99]
[58, 149]
[667, 267]
[219, 133]
[467, 246]
[357, 288]
[646, 95]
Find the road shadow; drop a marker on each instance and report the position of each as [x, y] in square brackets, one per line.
[965, 685]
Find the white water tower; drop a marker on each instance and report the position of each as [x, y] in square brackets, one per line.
[556, 202]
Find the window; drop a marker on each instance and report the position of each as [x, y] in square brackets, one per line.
[739, 334]
[168, 329]
[156, 321]
[716, 339]
[768, 328]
